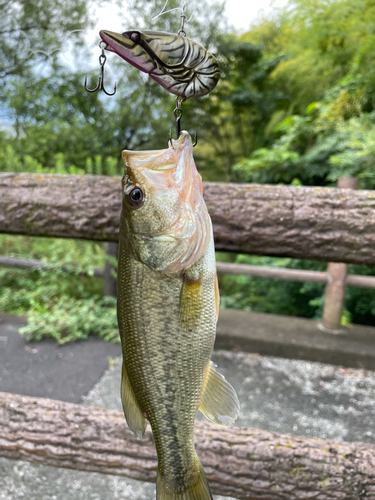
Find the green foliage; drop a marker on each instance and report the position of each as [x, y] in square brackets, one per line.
[13, 162]
[70, 319]
[58, 125]
[16, 161]
[291, 298]
[316, 151]
[34, 31]
[295, 105]
[53, 114]
[234, 117]
[321, 40]
[277, 165]
[328, 73]
[269, 295]
[62, 305]
[360, 302]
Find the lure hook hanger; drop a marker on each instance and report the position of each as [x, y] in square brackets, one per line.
[182, 31]
[178, 115]
[100, 86]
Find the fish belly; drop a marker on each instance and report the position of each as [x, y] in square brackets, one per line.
[165, 359]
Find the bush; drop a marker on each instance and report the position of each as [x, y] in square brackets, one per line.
[60, 304]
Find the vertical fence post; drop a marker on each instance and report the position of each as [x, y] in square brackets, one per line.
[109, 289]
[335, 289]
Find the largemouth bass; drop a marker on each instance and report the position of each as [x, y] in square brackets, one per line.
[168, 304]
[178, 64]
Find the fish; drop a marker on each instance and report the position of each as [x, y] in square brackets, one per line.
[178, 64]
[168, 303]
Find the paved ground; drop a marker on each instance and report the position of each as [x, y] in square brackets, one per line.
[288, 396]
[45, 369]
[295, 338]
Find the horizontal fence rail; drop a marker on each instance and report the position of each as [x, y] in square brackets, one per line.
[240, 462]
[285, 274]
[278, 273]
[39, 264]
[329, 224]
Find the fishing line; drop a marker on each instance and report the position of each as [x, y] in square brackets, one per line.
[182, 9]
[162, 11]
[63, 49]
[26, 38]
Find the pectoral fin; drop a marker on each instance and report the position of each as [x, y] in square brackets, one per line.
[133, 413]
[219, 402]
[191, 301]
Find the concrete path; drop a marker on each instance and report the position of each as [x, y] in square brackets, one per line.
[288, 396]
[45, 369]
[295, 338]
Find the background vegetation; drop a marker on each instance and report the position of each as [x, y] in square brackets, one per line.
[295, 105]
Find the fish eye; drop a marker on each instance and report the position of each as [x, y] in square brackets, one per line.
[135, 37]
[136, 197]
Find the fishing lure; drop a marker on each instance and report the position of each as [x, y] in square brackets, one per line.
[178, 64]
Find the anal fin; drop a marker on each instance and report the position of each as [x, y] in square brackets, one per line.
[133, 413]
[219, 402]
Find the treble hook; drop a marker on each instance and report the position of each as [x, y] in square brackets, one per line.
[171, 137]
[100, 86]
[178, 115]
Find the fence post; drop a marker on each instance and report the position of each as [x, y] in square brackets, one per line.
[109, 289]
[335, 289]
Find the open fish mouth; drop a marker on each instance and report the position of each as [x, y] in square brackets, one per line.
[161, 237]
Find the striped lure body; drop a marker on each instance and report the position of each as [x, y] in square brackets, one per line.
[178, 64]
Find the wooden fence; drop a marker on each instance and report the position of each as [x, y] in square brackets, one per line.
[327, 224]
[245, 463]
[333, 225]
[267, 272]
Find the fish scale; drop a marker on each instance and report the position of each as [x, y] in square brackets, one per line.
[158, 363]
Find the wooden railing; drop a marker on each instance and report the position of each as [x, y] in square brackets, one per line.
[244, 463]
[329, 224]
[333, 225]
[278, 273]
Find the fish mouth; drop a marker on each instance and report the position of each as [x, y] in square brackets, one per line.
[156, 237]
[132, 52]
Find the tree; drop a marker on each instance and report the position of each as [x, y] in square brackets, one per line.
[327, 72]
[320, 40]
[32, 32]
[57, 122]
[234, 117]
[326, 131]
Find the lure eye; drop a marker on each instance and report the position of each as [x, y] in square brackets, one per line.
[135, 37]
[136, 197]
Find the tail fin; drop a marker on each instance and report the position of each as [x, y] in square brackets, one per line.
[199, 490]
